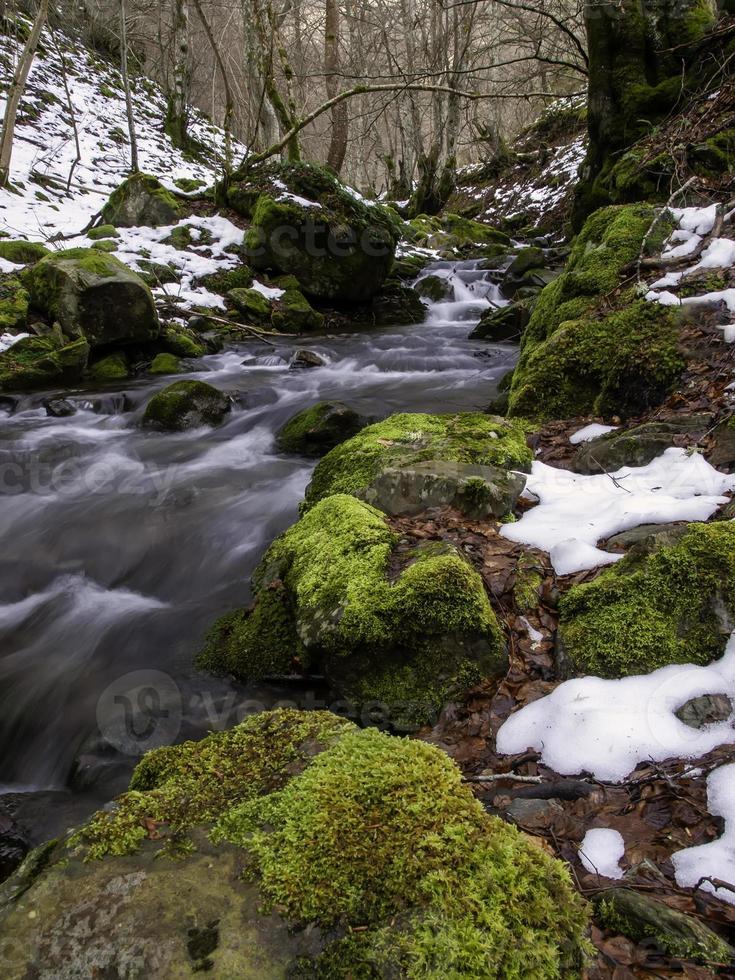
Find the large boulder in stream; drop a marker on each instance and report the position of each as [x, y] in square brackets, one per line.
[402, 631]
[42, 362]
[360, 465]
[92, 294]
[142, 200]
[186, 405]
[316, 430]
[294, 844]
[305, 223]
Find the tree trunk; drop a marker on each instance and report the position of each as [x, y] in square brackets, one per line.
[339, 114]
[229, 101]
[126, 85]
[177, 114]
[15, 94]
[264, 125]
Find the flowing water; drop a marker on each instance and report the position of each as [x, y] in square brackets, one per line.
[118, 547]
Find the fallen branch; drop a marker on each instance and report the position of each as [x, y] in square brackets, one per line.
[258, 332]
[500, 776]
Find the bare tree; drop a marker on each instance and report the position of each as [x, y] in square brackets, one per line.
[339, 114]
[134, 167]
[17, 88]
[177, 115]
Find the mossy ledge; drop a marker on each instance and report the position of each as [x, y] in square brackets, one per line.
[407, 439]
[372, 841]
[671, 600]
[325, 601]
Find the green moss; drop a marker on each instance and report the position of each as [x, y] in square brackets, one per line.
[409, 642]
[22, 253]
[13, 304]
[452, 232]
[114, 367]
[105, 245]
[529, 579]
[182, 343]
[185, 404]
[293, 314]
[180, 237]
[620, 364]
[319, 428]
[250, 303]
[189, 184]
[141, 200]
[165, 364]
[241, 277]
[157, 273]
[411, 438]
[650, 610]
[177, 788]
[381, 834]
[38, 362]
[103, 231]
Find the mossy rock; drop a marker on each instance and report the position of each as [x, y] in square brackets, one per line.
[452, 233]
[93, 295]
[648, 921]
[527, 259]
[182, 342]
[40, 362]
[186, 405]
[105, 245]
[241, 277]
[21, 252]
[157, 273]
[438, 289]
[366, 856]
[407, 267]
[503, 323]
[671, 600]
[406, 439]
[397, 305]
[114, 367]
[14, 301]
[251, 303]
[339, 248]
[637, 446]
[292, 313]
[165, 364]
[189, 184]
[325, 601]
[142, 200]
[103, 232]
[316, 430]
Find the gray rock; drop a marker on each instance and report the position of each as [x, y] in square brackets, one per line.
[533, 813]
[722, 454]
[59, 408]
[479, 492]
[705, 710]
[435, 288]
[304, 359]
[635, 536]
[527, 258]
[141, 200]
[320, 428]
[186, 405]
[505, 323]
[637, 446]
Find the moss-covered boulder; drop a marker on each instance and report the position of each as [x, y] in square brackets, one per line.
[366, 856]
[305, 223]
[113, 367]
[165, 364]
[251, 303]
[436, 288]
[103, 232]
[406, 439]
[640, 445]
[93, 295]
[241, 277]
[293, 313]
[396, 305]
[22, 252]
[13, 304]
[452, 234]
[316, 430]
[157, 273]
[40, 362]
[671, 600]
[186, 405]
[142, 200]
[328, 600]
[504, 323]
[105, 245]
[591, 347]
[182, 342]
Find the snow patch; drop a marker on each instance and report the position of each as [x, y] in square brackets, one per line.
[601, 852]
[590, 432]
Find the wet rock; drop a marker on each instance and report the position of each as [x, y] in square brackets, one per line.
[93, 295]
[40, 362]
[304, 359]
[396, 305]
[186, 405]
[705, 710]
[479, 492]
[636, 536]
[114, 367]
[14, 845]
[722, 454]
[320, 428]
[436, 288]
[141, 200]
[293, 313]
[505, 323]
[251, 303]
[533, 814]
[59, 408]
[637, 446]
[527, 258]
[165, 364]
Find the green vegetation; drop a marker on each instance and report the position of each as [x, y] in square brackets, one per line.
[22, 253]
[114, 367]
[141, 200]
[103, 231]
[13, 304]
[294, 314]
[411, 438]
[165, 364]
[318, 429]
[186, 405]
[39, 362]
[670, 602]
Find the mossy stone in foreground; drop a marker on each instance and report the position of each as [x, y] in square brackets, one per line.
[326, 601]
[671, 600]
[293, 313]
[405, 439]
[186, 405]
[165, 364]
[22, 253]
[304, 848]
[114, 367]
[317, 429]
[142, 200]
[40, 362]
[13, 304]
[93, 295]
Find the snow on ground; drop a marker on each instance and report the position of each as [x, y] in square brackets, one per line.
[601, 852]
[590, 432]
[716, 859]
[44, 150]
[574, 512]
[608, 727]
